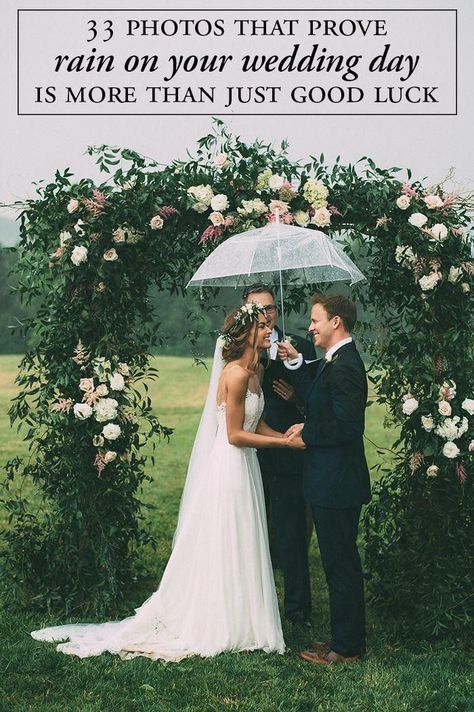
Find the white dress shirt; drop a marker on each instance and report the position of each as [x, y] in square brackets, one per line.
[295, 363]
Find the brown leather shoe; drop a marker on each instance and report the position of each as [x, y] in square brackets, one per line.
[329, 658]
[319, 646]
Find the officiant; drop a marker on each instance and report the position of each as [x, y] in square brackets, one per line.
[282, 469]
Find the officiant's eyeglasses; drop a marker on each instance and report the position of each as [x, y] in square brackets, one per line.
[270, 308]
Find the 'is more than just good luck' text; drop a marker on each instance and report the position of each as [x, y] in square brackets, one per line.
[300, 60]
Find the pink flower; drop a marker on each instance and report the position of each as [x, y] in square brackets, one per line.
[167, 211]
[333, 210]
[286, 219]
[99, 462]
[95, 205]
[460, 472]
[408, 190]
[229, 221]
[211, 233]
[63, 405]
[59, 252]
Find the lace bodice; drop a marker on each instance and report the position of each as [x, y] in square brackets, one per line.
[254, 403]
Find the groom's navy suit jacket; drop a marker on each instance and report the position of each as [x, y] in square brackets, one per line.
[335, 469]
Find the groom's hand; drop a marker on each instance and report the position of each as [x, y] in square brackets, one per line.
[294, 430]
[296, 441]
[286, 351]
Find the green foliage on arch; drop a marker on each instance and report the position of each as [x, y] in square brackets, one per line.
[88, 256]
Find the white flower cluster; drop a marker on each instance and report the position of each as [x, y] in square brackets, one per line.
[452, 427]
[429, 281]
[102, 408]
[201, 195]
[252, 207]
[404, 254]
[316, 193]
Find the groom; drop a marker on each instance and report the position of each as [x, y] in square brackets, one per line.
[282, 470]
[336, 477]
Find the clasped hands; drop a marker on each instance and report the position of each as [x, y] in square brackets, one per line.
[293, 434]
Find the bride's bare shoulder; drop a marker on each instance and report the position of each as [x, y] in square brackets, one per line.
[236, 377]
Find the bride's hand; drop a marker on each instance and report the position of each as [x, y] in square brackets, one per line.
[296, 442]
[294, 429]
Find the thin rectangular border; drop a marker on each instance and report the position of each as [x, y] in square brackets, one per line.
[149, 10]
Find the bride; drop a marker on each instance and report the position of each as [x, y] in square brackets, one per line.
[217, 592]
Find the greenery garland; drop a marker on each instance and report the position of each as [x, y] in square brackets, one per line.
[87, 257]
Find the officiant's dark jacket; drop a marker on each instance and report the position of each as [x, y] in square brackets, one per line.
[282, 472]
[280, 414]
[335, 472]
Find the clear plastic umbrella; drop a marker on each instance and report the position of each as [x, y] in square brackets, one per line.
[286, 253]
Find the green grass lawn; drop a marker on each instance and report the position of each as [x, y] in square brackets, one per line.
[394, 677]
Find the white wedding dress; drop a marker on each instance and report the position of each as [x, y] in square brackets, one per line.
[217, 592]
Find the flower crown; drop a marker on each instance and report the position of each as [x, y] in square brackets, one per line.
[247, 313]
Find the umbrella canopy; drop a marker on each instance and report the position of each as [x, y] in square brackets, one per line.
[286, 253]
[302, 256]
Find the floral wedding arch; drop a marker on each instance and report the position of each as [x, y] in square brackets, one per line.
[87, 257]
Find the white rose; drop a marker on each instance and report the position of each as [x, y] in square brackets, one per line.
[219, 202]
[117, 382]
[216, 218]
[429, 281]
[72, 206]
[450, 450]
[301, 218]
[444, 408]
[279, 205]
[220, 160]
[78, 227]
[82, 411]
[275, 182]
[432, 471]
[433, 201]
[463, 428]
[403, 202]
[465, 287]
[109, 456]
[427, 422]
[409, 406]
[102, 390]
[468, 405]
[118, 235]
[200, 207]
[417, 219]
[124, 369]
[111, 431]
[156, 223]
[111, 255]
[454, 274]
[105, 409]
[404, 252]
[202, 194]
[79, 255]
[321, 217]
[86, 384]
[64, 237]
[448, 429]
[470, 447]
[439, 231]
